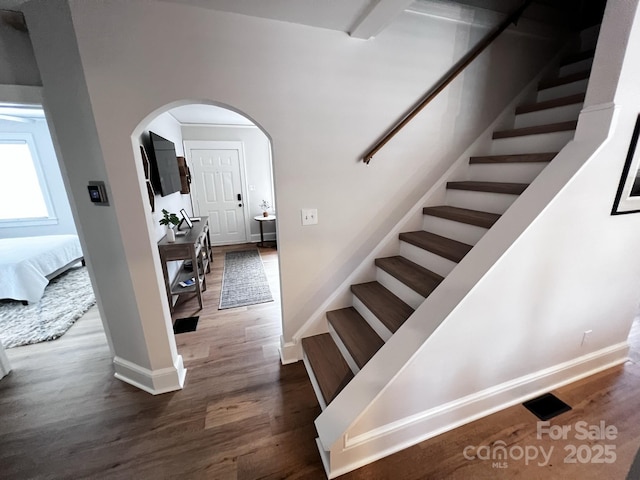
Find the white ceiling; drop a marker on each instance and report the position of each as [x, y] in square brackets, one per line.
[207, 114]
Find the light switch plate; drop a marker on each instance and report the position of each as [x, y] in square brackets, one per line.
[309, 216]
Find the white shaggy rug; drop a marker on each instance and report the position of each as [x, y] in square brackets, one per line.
[66, 298]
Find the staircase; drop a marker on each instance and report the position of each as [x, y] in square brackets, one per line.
[472, 206]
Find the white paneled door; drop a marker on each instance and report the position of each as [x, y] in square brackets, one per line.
[219, 193]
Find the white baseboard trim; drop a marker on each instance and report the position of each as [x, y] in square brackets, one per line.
[154, 382]
[366, 448]
[290, 352]
[268, 237]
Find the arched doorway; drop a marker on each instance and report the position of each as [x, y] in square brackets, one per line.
[204, 129]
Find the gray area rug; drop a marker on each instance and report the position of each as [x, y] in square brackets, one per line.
[244, 281]
[66, 298]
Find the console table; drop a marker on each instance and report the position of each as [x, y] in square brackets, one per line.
[194, 245]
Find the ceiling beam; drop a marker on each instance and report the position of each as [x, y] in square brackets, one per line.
[377, 17]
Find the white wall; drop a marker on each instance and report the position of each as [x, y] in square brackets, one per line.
[118, 242]
[258, 161]
[16, 58]
[53, 179]
[515, 310]
[321, 96]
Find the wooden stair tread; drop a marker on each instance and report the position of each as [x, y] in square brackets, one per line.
[536, 130]
[388, 308]
[357, 335]
[515, 158]
[578, 57]
[556, 82]
[415, 276]
[491, 187]
[556, 102]
[329, 367]
[463, 215]
[442, 246]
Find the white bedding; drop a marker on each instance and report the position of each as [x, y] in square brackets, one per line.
[25, 262]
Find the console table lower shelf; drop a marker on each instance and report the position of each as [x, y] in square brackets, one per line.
[194, 246]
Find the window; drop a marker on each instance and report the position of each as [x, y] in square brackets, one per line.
[24, 198]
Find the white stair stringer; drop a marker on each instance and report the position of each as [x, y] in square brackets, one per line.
[367, 421]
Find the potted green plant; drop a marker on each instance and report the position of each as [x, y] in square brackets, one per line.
[169, 220]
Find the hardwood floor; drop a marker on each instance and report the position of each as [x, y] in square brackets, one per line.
[242, 415]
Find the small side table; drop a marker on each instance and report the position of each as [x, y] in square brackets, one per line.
[261, 219]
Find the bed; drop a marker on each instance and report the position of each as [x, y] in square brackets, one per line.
[28, 263]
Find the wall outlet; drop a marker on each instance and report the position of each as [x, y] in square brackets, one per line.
[586, 336]
[309, 216]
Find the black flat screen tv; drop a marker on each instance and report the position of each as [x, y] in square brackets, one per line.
[165, 176]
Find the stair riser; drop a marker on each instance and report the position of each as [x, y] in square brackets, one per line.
[575, 67]
[427, 259]
[484, 201]
[399, 289]
[546, 142]
[462, 232]
[508, 172]
[343, 349]
[383, 332]
[549, 115]
[562, 91]
[314, 382]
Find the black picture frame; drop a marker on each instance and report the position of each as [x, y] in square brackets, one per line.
[628, 194]
[185, 219]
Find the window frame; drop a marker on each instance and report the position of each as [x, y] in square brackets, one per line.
[52, 219]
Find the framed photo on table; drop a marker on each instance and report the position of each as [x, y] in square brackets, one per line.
[185, 218]
[628, 194]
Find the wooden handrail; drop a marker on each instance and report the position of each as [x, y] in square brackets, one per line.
[453, 73]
